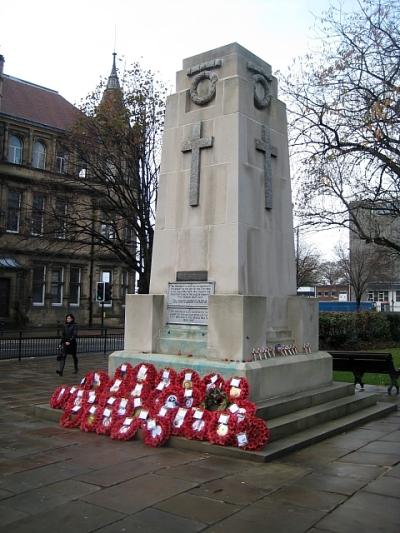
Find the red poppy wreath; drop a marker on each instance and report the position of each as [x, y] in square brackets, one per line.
[89, 418]
[125, 428]
[254, 436]
[188, 378]
[242, 410]
[145, 373]
[156, 431]
[59, 397]
[221, 428]
[237, 388]
[104, 421]
[214, 381]
[178, 421]
[72, 418]
[196, 422]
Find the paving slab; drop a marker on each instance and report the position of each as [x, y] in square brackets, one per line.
[44, 499]
[352, 471]
[394, 471]
[364, 512]
[192, 471]
[73, 516]
[153, 521]
[386, 485]
[272, 517]
[8, 515]
[198, 508]
[383, 459]
[305, 497]
[139, 493]
[392, 437]
[382, 446]
[271, 476]
[230, 491]
[327, 483]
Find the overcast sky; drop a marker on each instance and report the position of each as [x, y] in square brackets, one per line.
[67, 46]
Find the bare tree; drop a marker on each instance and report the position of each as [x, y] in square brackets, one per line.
[331, 273]
[344, 109]
[307, 264]
[113, 183]
[361, 266]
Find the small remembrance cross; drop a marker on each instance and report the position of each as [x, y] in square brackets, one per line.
[264, 145]
[194, 145]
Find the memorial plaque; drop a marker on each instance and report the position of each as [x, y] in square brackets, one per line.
[188, 315]
[189, 294]
[192, 275]
[187, 302]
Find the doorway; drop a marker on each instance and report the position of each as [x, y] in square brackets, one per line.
[4, 297]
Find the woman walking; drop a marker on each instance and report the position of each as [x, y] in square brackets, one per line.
[68, 342]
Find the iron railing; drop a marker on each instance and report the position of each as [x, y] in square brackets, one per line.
[19, 346]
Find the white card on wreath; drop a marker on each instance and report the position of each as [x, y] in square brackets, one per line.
[235, 382]
[137, 402]
[142, 372]
[188, 376]
[198, 414]
[242, 439]
[107, 412]
[223, 419]
[188, 393]
[151, 424]
[92, 410]
[128, 421]
[234, 408]
[143, 414]
[123, 368]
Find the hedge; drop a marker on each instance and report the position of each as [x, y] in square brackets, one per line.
[353, 330]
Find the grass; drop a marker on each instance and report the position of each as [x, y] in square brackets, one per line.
[371, 379]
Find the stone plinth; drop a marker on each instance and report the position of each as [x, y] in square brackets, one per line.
[271, 378]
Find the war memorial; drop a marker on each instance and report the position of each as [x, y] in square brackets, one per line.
[223, 274]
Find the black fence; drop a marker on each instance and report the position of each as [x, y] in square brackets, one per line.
[19, 346]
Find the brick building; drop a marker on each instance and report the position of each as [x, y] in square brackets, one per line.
[43, 273]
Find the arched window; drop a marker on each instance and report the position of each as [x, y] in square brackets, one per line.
[15, 150]
[38, 155]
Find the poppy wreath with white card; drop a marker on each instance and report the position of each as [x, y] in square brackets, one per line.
[221, 428]
[188, 378]
[72, 418]
[89, 418]
[192, 397]
[178, 421]
[156, 431]
[163, 412]
[237, 388]
[97, 380]
[59, 396]
[242, 410]
[105, 419]
[167, 376]
[78, 397]
[253, 436]
[145, 373]
[125, 428]
[172, 397]
[139, 390]
[125, 372]
[123, 407]
[214, 381]
[117, 387]
[195, 426]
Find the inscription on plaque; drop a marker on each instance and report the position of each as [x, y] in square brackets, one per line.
[187, 302]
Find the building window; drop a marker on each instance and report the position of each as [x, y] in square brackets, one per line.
[56, 289]
[38, 285]
[107, 231]
[13, 211]
[60, 218]
[15, 148]
[378, 296]
[38, 155]
[397, 296]
[75, 286]
[61, 163]
[37, 214]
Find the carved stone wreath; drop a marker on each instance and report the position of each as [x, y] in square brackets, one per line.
[205, 98]
[261, 102]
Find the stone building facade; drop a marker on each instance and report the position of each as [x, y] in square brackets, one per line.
[43, 273]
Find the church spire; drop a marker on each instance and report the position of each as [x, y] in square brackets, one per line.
[113, 81]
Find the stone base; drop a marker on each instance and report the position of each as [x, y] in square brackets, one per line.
[271, 378]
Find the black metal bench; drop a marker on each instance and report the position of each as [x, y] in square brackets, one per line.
[361, 362]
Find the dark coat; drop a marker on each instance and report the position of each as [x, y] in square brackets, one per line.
[69, 334]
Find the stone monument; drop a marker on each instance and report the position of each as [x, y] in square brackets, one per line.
[223, 276]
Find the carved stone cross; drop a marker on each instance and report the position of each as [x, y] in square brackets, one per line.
[264, 145]
[194, 145]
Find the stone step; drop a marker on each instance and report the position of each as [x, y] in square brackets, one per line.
[298, 421]
[275, 407]
[278, 448]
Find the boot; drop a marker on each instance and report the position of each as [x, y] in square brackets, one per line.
[75, 365]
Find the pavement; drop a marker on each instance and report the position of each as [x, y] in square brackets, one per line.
[55, 479]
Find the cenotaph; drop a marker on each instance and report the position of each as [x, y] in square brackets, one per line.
[223, 274]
